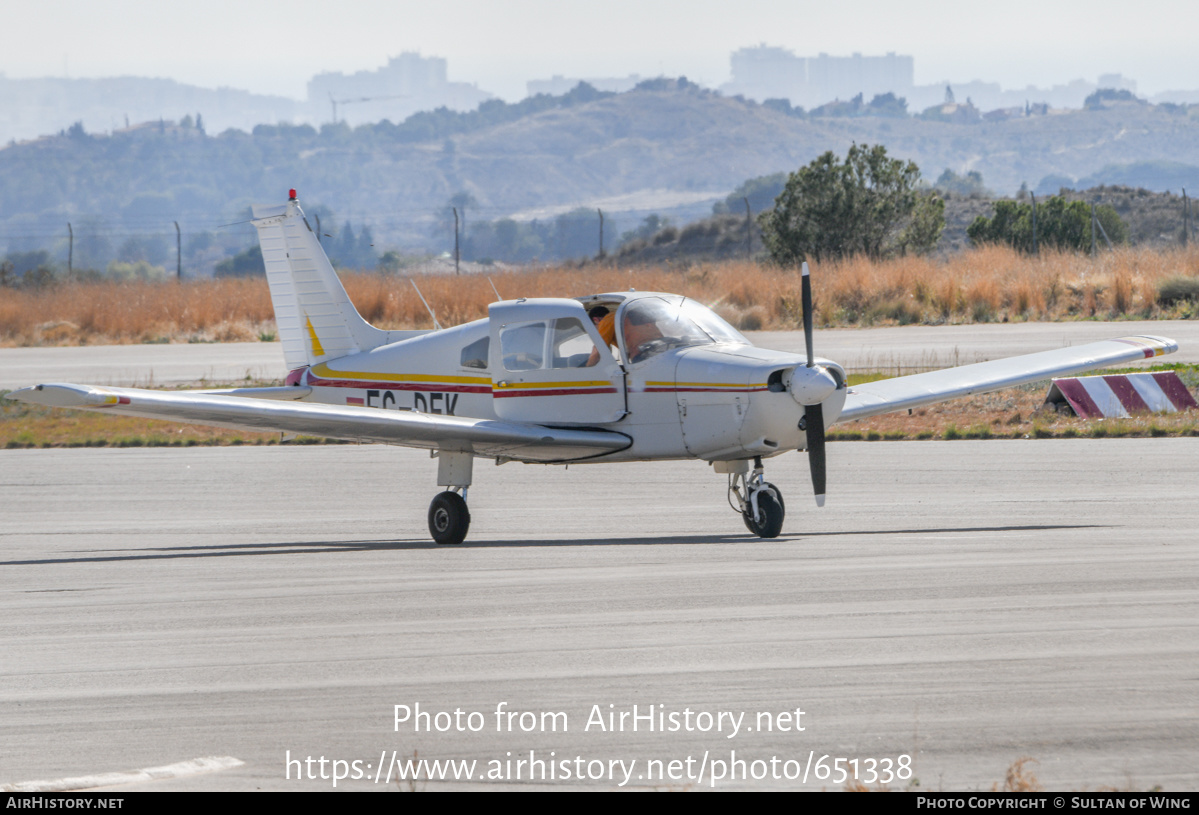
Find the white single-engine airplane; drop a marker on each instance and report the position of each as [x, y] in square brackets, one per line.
[536, 382]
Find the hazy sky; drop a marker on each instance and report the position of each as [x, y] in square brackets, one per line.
[275, 47]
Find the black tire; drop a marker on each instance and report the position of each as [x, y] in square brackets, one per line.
[749, 524]
[772, 512]
[448, 518]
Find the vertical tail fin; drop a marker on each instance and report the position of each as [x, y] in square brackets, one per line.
[316, 319]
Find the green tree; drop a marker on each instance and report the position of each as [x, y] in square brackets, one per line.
[244, 264]
[760, 191]
[1061, 224]
[649, 226]
[343, 250]
[888, 105]
[925, 227]
[867, 205]
[969, 184]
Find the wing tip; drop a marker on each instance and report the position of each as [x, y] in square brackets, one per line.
[1159, 346]
[57, 394]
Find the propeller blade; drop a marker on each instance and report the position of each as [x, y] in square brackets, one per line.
[806, 294]
[814, 422]
[813, 413]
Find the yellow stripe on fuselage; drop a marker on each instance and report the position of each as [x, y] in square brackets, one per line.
[325, 372]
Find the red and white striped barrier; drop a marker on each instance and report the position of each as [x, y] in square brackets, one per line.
[1121, 395]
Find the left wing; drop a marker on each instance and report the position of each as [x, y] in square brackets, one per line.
[482, 437]
[905, 392]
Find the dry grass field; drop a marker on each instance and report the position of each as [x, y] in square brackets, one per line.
[983, 285]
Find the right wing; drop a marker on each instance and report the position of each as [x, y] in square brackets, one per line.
[482, 437]
[906, 392]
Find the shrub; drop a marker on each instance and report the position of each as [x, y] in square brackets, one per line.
[668, 235]
[1061, 224]
[1177, 289]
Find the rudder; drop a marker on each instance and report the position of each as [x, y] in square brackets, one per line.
[314, 315]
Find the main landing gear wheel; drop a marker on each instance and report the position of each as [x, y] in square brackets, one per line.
[771, 511]
[449, 518]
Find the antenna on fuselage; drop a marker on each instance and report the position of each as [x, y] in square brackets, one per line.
[494, 289]
[436, 325]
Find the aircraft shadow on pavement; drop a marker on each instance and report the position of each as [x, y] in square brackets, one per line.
[744, 538]
[328, 547]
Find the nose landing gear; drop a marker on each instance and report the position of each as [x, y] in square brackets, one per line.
[759, 502]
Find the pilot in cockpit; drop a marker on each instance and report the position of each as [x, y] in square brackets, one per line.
[641, 329]
[605, 323]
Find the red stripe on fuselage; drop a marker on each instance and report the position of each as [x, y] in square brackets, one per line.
[504, 394]
[703, 390]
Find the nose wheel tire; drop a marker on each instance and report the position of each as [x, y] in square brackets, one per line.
[770, 513]
[449, 519]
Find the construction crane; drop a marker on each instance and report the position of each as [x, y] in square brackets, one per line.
[336, 102]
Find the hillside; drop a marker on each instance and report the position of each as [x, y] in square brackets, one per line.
[667, 142]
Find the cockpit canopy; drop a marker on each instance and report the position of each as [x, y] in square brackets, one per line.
[653, 324]
[548, 333]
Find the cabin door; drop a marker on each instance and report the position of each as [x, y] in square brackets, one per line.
[549, 365]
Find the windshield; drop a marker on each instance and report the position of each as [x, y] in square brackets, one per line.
[655, 324]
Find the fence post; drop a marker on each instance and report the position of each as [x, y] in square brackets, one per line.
[1097, 224]
[749, 231]
[178, 253]
[456, 240]
[1035, 249]
[1186, 217]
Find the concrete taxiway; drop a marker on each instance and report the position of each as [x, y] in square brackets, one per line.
[966, 604]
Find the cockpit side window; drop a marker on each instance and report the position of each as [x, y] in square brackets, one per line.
[558, 343]
[571, 344]
[523, 345]
[475, 354]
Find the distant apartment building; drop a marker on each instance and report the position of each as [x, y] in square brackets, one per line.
[766, 72]
[558, 84]
[405, 85]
